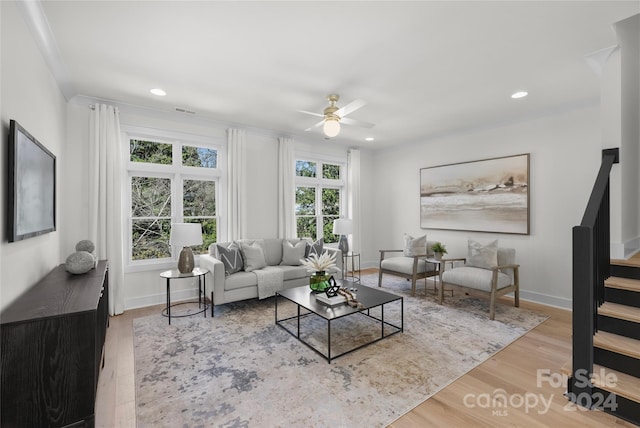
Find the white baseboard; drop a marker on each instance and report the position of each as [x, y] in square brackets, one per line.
[160, 299]
[545, 299]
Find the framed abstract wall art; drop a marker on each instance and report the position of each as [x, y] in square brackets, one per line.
[489, 195]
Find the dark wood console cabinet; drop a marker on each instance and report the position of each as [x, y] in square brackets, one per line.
[51, 350]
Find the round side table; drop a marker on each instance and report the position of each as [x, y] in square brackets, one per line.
[202, 289]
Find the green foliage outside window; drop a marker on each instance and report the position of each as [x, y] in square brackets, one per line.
[306, 209]
[199, 156]
[150, 152]
[151, 200]
[305, 169]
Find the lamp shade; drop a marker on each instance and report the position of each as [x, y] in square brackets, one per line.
[331, 127]
[186, 234]
[343, 226]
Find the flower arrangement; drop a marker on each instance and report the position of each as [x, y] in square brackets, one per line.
[319, 263]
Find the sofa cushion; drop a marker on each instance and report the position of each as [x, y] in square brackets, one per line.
[415, 246]
[240, 280]
[253, 256]
[405, 265]
[272, 251]
[292, 253]
[231, 258]
[473, 277]
[482, 256]
[293, 272]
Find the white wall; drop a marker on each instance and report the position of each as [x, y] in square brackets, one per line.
[31, 96]
[565, 157]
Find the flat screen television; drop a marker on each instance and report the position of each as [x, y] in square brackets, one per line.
[32, 186]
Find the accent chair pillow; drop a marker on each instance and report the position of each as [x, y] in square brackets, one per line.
[482, 256]
[253, 256]
[415, 246]
[231, 258]
[315, 248]
[292, 253]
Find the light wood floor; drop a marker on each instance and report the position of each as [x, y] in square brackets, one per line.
[528, 369]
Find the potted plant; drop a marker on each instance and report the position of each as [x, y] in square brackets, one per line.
[439, 249]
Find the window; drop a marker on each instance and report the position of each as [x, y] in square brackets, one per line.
[170, 179]
[319, 198]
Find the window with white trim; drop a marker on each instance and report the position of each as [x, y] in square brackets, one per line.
[319, 198]
[171, 178]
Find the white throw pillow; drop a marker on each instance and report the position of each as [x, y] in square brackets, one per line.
[253, 257]
[482, 256]
[291, 254]
[415, 246]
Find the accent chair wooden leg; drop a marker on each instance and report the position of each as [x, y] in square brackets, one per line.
[516, 280]
[413, 286]
[380, 278]
[492, 308]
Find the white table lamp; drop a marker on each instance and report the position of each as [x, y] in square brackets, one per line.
[343, 227]
[185, 235]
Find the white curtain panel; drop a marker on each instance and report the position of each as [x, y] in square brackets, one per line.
[105, 200]
[353, 196]
[286, 188]
[236, 148]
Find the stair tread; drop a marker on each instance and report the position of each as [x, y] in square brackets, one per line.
[623, 283]
[616, 310]
[625, 385]
[616, 343]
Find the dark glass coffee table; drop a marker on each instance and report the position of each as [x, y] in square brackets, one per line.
[371, 298]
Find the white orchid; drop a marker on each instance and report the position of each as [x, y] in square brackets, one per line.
[321, 263]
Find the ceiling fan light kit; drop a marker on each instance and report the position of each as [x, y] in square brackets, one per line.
[331, 127]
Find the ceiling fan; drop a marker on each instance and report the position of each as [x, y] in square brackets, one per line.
[333, 115]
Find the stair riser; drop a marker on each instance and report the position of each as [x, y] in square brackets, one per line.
[625, 271]
[623, 297]
[626, 409]
[619, 327]
[619, 362]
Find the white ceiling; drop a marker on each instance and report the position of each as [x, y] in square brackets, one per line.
[425, 68]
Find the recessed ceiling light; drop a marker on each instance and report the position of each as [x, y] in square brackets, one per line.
[369, 139]
[519, 94]
[159, 92]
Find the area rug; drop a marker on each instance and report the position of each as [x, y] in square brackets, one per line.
[239, 369]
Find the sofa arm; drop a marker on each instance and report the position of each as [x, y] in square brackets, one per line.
[216, 270]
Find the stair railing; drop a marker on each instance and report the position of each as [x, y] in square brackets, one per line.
[591, 266]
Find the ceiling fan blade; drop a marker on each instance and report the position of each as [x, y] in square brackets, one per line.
[350, 108]
[311, 113]
[348, 121]
[315, 126]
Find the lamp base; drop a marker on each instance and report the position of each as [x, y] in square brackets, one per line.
[185, 261]
[343, 244]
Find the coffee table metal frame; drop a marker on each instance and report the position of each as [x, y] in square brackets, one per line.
[371, 298]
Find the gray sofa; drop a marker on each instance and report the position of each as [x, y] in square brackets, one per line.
[282, 267]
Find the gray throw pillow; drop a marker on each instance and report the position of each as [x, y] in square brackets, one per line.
[315, 248]
[292, 253]
[415, 246]
[231, 258]
[253, 256]
[482, 256]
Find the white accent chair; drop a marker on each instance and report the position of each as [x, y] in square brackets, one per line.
[412, 268]
[497, 280]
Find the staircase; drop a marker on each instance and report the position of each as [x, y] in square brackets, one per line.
[616, 346]
[604, 372]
